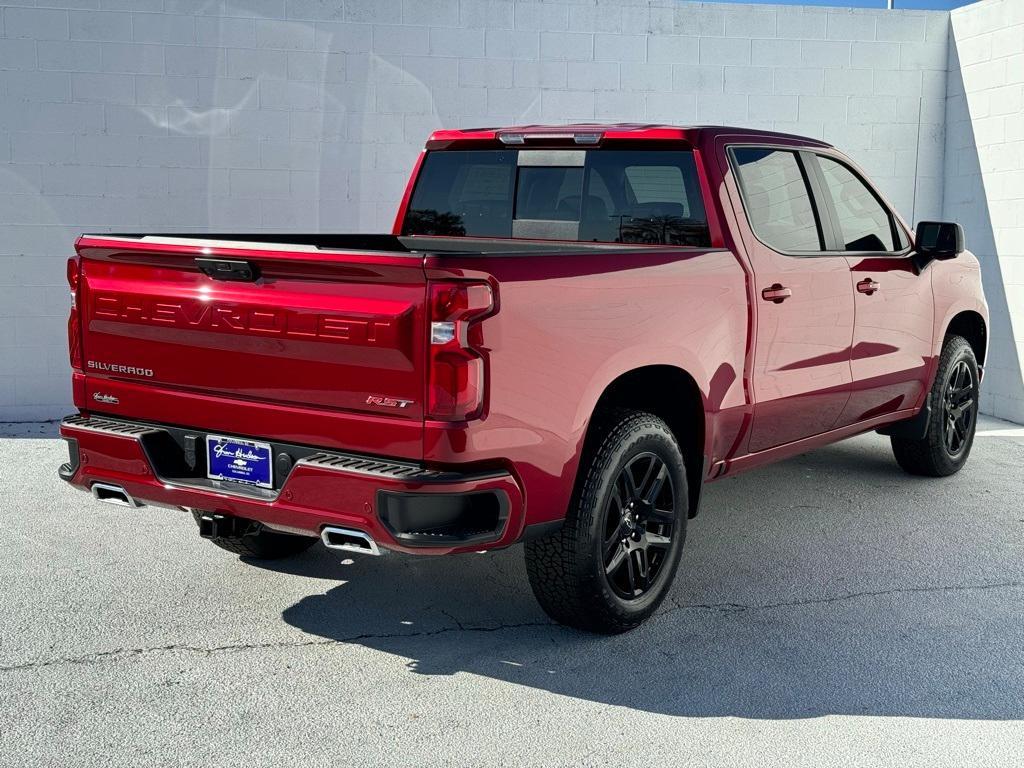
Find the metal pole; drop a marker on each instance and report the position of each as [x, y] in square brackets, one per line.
[892, 4]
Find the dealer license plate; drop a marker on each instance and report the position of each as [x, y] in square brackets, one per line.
[240, 461]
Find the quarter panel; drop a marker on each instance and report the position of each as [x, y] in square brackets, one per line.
[566, 327]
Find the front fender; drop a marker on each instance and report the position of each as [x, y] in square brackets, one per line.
[957, 287]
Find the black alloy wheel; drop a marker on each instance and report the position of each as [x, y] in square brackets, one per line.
[958, 409]
[639, 522]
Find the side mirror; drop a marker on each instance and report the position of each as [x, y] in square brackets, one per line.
[938, 240]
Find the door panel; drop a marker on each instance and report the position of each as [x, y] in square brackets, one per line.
[804, 310]
[802, 359]
[892, 338]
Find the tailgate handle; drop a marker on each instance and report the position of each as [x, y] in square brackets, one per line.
[228, 269]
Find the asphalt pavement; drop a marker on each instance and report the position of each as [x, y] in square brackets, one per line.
[829, 610]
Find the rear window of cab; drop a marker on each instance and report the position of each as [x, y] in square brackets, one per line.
[647, 197]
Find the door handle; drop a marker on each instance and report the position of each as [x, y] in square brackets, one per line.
[228, 269]
[776, 294]
[867, 285]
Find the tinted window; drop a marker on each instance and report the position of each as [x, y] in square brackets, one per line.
[547, 193]
[777, 200]
[656, 183]
[645, 196]
[623, 196]
[864, 223]
[463, 193]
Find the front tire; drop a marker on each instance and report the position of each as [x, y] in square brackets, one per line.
[954, 406]
[612, 563]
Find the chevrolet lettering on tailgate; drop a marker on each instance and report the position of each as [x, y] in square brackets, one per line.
[235, 318]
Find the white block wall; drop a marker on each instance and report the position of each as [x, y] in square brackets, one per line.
[985, 178]
[307, 114]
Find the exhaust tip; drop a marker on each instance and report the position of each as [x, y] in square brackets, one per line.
[114, 494]
[349, 540]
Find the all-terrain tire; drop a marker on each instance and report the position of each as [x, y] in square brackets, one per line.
[567, 569]
[931, 456]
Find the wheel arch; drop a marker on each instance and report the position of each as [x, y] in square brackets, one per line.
[672, 394]
[971, 326]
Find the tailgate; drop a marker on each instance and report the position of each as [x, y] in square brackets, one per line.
[306, 329]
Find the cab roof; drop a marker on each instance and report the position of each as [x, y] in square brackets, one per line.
[594, 133]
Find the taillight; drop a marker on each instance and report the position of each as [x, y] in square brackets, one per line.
[74, 274]
[455, 383]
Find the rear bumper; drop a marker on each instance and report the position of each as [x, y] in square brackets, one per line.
[403, 506]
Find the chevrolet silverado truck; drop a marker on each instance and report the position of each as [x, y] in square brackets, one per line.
[570, 331]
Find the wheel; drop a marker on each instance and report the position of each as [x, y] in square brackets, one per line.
[954, 401]
[612, 562]
[249, 538]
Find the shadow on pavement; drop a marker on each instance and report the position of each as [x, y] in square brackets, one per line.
[802, 592]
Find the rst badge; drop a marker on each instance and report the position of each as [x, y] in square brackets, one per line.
[387, 402]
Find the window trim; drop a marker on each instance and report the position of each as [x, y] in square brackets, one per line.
[826, 235]
[895, 227]
[821, 201]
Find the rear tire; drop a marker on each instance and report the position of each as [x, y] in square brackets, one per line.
[258, 542]
[954, 416]
[612, 563]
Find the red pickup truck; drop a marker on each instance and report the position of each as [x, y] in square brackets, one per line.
[570, 331]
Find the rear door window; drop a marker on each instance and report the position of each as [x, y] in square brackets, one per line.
[615, 196]
[777, 199]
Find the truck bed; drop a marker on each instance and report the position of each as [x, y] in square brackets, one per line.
[321, 340]
[369, 243]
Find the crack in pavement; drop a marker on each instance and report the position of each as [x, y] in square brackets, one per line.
[119, 654]
[453, 619]
[739, 607]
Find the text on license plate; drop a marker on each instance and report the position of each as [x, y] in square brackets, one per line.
[241, 461]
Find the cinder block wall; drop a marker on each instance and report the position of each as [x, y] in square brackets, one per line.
[985, 178]
[307, 115]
